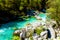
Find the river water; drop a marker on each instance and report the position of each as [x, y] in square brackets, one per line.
[6, 30]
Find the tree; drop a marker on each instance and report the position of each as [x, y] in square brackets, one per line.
[17, 8]
[54, 10]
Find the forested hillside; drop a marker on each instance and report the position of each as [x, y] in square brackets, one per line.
[12, 9]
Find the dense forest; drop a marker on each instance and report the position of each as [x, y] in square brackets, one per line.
[12, 9]
[54, 10]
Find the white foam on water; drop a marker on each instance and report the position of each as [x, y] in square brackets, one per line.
[1, 31]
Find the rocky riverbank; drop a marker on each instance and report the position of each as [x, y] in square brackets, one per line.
[38, 31]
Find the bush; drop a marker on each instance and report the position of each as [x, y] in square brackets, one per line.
[39, 30]
[16, 38]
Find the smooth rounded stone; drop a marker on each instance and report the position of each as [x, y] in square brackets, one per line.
[52, 39]
[38, 23]
[28, 27]
[17, 32]
[43, 33]
[39, 38]
[44, 39]
[35, 24]
[35, 37]
[26, 38]
[48, 39]
[52, 31]
[38, 17]
[50, 28]
[23, 33]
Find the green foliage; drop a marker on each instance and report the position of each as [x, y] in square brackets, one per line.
[31, 38]
[39, 30]
[16, 38]
[16, 7]
[54, 10]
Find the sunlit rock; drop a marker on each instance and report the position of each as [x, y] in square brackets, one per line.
[40, 38]
[17, 32]
[38, 17]
[28, 26]
[23, 34]
[52, 31]
[43, 34]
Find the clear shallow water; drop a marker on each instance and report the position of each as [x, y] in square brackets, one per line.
[6, 30]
